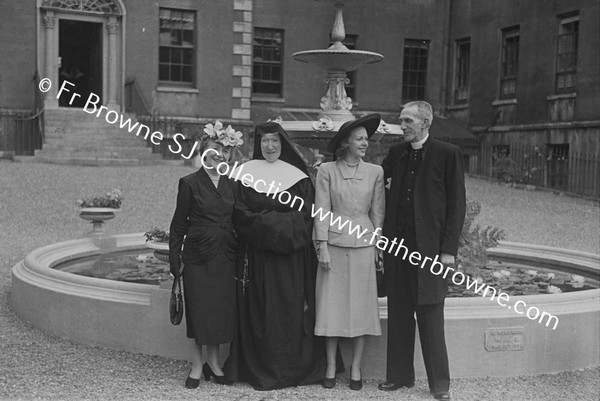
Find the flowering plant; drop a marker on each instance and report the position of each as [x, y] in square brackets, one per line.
[111, 200]
[552, 289]
[577, 281]
[225, 136]
[157, 235]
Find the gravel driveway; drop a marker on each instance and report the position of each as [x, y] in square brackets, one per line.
[37, 207]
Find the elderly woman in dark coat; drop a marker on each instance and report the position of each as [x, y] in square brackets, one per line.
[202, 224]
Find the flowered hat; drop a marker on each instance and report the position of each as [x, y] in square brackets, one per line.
[225, 136]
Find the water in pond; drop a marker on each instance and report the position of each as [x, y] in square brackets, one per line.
[138, 266]
[519, 279]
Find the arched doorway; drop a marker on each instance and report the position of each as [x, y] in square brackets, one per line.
[83, 44]
[80, 55]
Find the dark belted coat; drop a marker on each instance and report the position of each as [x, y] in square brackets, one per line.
[202, 221]
[202, 225]
[439, 206]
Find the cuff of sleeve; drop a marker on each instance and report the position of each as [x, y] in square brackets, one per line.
[448, 252]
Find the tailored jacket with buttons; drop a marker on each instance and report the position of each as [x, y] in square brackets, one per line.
[439, 210]
[354, 195]
[202, 220]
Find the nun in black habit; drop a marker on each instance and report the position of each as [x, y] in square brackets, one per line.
[275, 346]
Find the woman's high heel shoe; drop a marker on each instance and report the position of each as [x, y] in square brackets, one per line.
[329, 383]
[208, 373]
[356, 384]
[192, 383]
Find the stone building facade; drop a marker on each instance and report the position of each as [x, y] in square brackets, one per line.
[510, 70]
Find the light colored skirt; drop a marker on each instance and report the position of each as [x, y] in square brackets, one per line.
[346, 295]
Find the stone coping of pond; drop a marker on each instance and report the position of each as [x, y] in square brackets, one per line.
[40, 270]
[483, 338]
[41, 262]
[565, 259]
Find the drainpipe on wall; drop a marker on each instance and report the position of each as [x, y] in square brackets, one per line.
[123, 55]
[447, 56]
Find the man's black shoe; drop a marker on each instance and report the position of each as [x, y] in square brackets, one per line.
[441, 395]
[391, 386]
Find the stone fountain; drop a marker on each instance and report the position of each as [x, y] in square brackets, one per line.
[336, 106]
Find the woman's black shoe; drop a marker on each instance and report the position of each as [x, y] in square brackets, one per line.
[328, 383]
[208, 373]
[356, 384]
[192, 383]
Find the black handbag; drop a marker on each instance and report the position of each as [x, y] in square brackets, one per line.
[176, 303]
[379, 272]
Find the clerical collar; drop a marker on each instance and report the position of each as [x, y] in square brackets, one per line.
[419, 144]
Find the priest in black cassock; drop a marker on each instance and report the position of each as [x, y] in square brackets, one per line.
[425, 207]
[276, 269]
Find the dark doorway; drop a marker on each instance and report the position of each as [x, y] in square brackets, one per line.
[80, 51]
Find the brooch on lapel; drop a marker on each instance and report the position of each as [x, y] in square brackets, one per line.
[388, 186]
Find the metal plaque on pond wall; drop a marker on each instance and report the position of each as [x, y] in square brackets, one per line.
[504, 339]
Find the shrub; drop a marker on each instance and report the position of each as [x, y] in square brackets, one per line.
[474, 242]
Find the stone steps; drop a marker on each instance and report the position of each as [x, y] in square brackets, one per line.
[95, 161]
[73, 136]
[66, 142]
[78, 114]
[92, 146]
[89, 125]
[126, 153]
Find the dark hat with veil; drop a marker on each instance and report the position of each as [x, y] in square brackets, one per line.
[289, 154]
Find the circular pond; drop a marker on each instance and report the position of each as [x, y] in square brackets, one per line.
[133, 266]
[143, 267]
[483, 338]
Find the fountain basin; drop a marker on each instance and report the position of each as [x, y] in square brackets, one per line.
[483, 339]
[338, 60]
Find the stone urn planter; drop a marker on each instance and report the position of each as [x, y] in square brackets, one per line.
[161, 250]
[97, 216]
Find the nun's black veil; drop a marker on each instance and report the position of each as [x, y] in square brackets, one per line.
[288, 152]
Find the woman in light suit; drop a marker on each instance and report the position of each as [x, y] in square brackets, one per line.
[346, 291]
